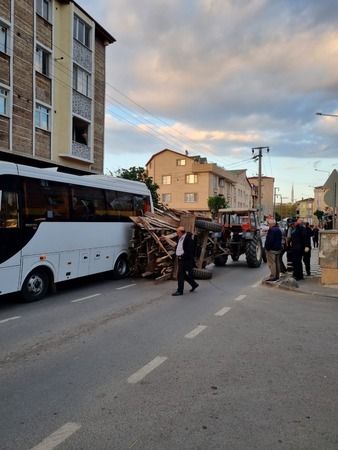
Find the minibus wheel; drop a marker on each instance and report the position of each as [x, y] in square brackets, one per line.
[121, 268]
[35, 285]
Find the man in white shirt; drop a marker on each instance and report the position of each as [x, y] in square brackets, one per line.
[185, 256]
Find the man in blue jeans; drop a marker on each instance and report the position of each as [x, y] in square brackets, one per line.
[273, 248]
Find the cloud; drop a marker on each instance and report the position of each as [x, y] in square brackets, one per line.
[224, 74]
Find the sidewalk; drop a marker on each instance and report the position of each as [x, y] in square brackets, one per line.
[310, 285]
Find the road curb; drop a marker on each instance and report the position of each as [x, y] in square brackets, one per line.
[299, 290]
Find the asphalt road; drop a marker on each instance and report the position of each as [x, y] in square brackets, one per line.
[124, 365]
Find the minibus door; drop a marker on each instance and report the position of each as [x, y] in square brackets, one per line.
[10, 235]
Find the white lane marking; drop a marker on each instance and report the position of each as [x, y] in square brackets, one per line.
[145, 370]
[222, 311]
[10, 318]
[125, 287]
[258, 283]
[195, 331]
[85, 298]
[240, 297]
[58, 436]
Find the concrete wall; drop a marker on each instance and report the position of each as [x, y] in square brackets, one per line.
[328, 256]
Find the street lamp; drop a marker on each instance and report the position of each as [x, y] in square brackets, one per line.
[329, 115]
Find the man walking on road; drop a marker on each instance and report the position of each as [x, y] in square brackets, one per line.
[185, 256]
[273, 247]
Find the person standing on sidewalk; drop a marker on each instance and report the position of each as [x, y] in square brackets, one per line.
[273, 248]
[307, 249]
[315, 236]
[185, 255]
[297, 248]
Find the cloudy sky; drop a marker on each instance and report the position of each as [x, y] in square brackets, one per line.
[218, 77]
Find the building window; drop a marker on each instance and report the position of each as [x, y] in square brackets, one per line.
[81, 31]
[190, 197]
[80, 131]
[3, 39]
[81, 81]
[166, 179]
[43, 8]
[42, 117]
[3, 102]
[191, 179]
[42, 61]
[221, 182]
[166, 198]
[180, 162]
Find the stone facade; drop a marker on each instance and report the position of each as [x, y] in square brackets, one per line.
[5, 9]
[4, 132]
[99, 106]
[43, 88]
[27, 86]
[22, 116]
[44, 32]
[42, 144]
[4, 69]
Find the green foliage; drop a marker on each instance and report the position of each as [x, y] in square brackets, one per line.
[319, 214]
[140, 174]
[217, 202]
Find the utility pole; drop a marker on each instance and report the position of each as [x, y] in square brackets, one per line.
[259, 157]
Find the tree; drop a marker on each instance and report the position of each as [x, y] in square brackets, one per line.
[319, 214]
[217, 202]
[140, 174]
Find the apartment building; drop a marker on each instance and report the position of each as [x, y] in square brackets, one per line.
[267, 184]
[52, 84]
[243, 192]
[305, 210]
[186, 182]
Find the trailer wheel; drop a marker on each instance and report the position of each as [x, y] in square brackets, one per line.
[210, 226]
[35, 285]
[121, 268]
[201, 274]
[221, 261]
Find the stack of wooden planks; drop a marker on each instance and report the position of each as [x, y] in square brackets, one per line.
[154, 240]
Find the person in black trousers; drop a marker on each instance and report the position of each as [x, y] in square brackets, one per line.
[315, 236]
[298, 237]
[307, 249]
[185, 255]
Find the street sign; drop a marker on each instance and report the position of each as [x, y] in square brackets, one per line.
[331, 196]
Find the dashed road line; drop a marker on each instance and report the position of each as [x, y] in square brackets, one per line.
[222, 311]
[85, 298]
[125, 287]
[58, 437]
[9, 319]
[196, 331]
[240, 298]
[145, 370]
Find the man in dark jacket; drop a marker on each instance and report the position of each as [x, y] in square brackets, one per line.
[273, 248]
[185, 256]
[307, 249]
[298, 237]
